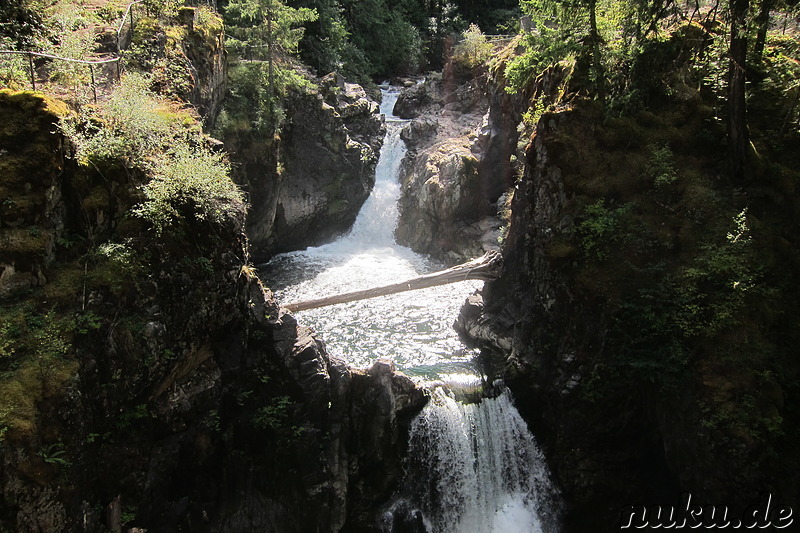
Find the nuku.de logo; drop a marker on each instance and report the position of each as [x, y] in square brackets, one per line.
[762, 514]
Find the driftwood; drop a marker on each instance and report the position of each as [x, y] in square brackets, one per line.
[486, 267]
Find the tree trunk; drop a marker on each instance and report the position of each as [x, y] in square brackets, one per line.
[762, 22]
[594, 43]
[738, 137]
[270, 39]
[486, 267]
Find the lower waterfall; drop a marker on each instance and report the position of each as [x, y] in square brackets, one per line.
[471, 467]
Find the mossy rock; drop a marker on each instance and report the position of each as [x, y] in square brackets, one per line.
[24, 241]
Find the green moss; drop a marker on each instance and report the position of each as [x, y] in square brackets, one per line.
[36, 365]
[29, 241]
[64, 286]
[22, 391]
[28, 101]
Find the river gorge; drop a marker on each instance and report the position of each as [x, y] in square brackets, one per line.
[168, 199]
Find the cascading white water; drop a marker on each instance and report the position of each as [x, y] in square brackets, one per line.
[413, 328]
[472, 467]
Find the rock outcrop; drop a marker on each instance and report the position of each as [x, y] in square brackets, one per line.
[630, 403]
[327, 151]
[155, 383]
[31, 212]
[458, 166]
[204, 47]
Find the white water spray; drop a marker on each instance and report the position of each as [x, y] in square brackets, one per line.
[413, 328]
[472, 468]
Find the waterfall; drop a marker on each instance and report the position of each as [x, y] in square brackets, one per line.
[472, 467]
[374, 226]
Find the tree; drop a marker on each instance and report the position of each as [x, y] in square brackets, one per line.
[269, 24]
[738, 136]
[762, 25]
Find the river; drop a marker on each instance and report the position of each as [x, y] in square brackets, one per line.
[472, 468]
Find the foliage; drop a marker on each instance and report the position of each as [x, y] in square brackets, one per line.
[189, 178]
[258, 26]
[273, 416]
[715, 285]
[6, 342]
[474, 49]
[661, 166]
[13, 67]
[128, 126]
[601, 227]
[38, 366]
[54, 454]
[249, 108]
[657, 329]
[560, 27]
[264, 32]
[186, 176]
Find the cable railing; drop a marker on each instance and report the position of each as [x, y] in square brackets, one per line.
[89, 62]
[92, 64]
[128, 14]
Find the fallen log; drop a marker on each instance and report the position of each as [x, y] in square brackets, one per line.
[487, 267]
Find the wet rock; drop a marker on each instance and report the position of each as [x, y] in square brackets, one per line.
[412, 99]
[457, 167]
[328, 150]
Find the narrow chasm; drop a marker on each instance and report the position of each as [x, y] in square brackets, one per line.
[470, 464]
[398, 267]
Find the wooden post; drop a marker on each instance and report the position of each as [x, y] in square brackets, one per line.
[94, 88]
[486, 267]
[33, 71]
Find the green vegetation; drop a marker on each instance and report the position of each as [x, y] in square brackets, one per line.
[35, 366]
[601, 228]
[474, 50]
[681, 247]
[186, 177]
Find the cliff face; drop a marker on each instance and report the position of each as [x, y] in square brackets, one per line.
[204, 47]
[329, 153]
[150, 381]
[321, 171]
[31, 214]
[458, 165]
[618, 321]
[187, 59]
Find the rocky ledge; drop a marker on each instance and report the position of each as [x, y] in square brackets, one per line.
[458, 165]
[325, 169]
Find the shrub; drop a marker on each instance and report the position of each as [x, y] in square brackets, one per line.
[661, 166]
[194, 178]
[474, 49]
[601, 227]
[145, 132]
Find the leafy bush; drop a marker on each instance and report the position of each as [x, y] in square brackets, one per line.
[13, 67]
[661, 166]
[275, 415]
[143, 131]
[601, 227]
[474, 49]
[194, 178]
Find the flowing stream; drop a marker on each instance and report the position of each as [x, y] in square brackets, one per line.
[472, 467]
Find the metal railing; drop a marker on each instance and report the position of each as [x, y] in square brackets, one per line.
[128, 14]
[90, 63]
